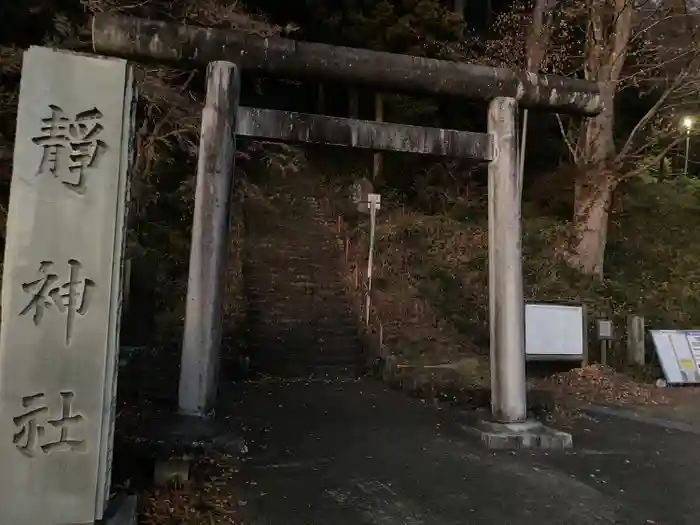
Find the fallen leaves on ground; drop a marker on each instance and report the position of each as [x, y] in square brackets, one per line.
[209, 500]
[603, 385]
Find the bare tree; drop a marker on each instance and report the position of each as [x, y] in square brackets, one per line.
[636, 45]
[646, 45]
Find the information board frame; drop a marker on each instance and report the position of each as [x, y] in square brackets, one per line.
[575, 324]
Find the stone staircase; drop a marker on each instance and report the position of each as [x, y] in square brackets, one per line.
[300, 319]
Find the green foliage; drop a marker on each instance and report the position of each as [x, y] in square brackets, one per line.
[439, 264]
[416, 27]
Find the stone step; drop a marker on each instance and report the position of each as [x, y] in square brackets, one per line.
[301, 361]
[298, 281]
[281, 297]
[293, 233]
[331, 323]
[303, 292]
[293, 279]
[327, 250]
[323, 318]
[305, 296]
[268, 313]
[302, 321]
[322, 278]
[309, 350]
[283, 269]
[270, 353]
[271, 314]
[318, 258]
[268, 317]
[347, 352]
[313, 345]
[309, 334]
[273, 305]
[321, 338]
[329, 373]
[292, 247]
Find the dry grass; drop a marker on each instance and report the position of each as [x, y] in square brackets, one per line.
[410, 251]
[430, 290]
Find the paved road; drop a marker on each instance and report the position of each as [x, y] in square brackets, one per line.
[355, 453]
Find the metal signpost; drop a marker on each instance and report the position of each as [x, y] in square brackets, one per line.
[374, 202]
[605, 331]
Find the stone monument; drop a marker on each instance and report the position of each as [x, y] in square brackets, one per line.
[61, 287]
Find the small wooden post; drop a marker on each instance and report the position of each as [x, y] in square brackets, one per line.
[635, 340]
[604, 352]
[209, 251]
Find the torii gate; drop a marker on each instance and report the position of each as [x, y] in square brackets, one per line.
[225, 52]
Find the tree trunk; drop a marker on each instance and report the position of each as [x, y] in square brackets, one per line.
[598, 176]
[594, 192]
[593, 189]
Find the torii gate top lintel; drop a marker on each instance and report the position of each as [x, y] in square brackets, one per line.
[132, 37]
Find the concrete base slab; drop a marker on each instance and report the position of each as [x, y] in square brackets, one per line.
[526, 435]
[177, 434]
[122, 510]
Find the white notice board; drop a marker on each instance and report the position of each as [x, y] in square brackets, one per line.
[679, 354]
[554, 331]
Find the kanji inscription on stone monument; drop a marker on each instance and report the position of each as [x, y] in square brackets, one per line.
[78, 136]
[61, 286]
[68, 294]
[32, 426]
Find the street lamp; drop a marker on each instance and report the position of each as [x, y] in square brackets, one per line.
[688, 125]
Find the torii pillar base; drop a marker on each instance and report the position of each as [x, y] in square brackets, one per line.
[530, 434]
